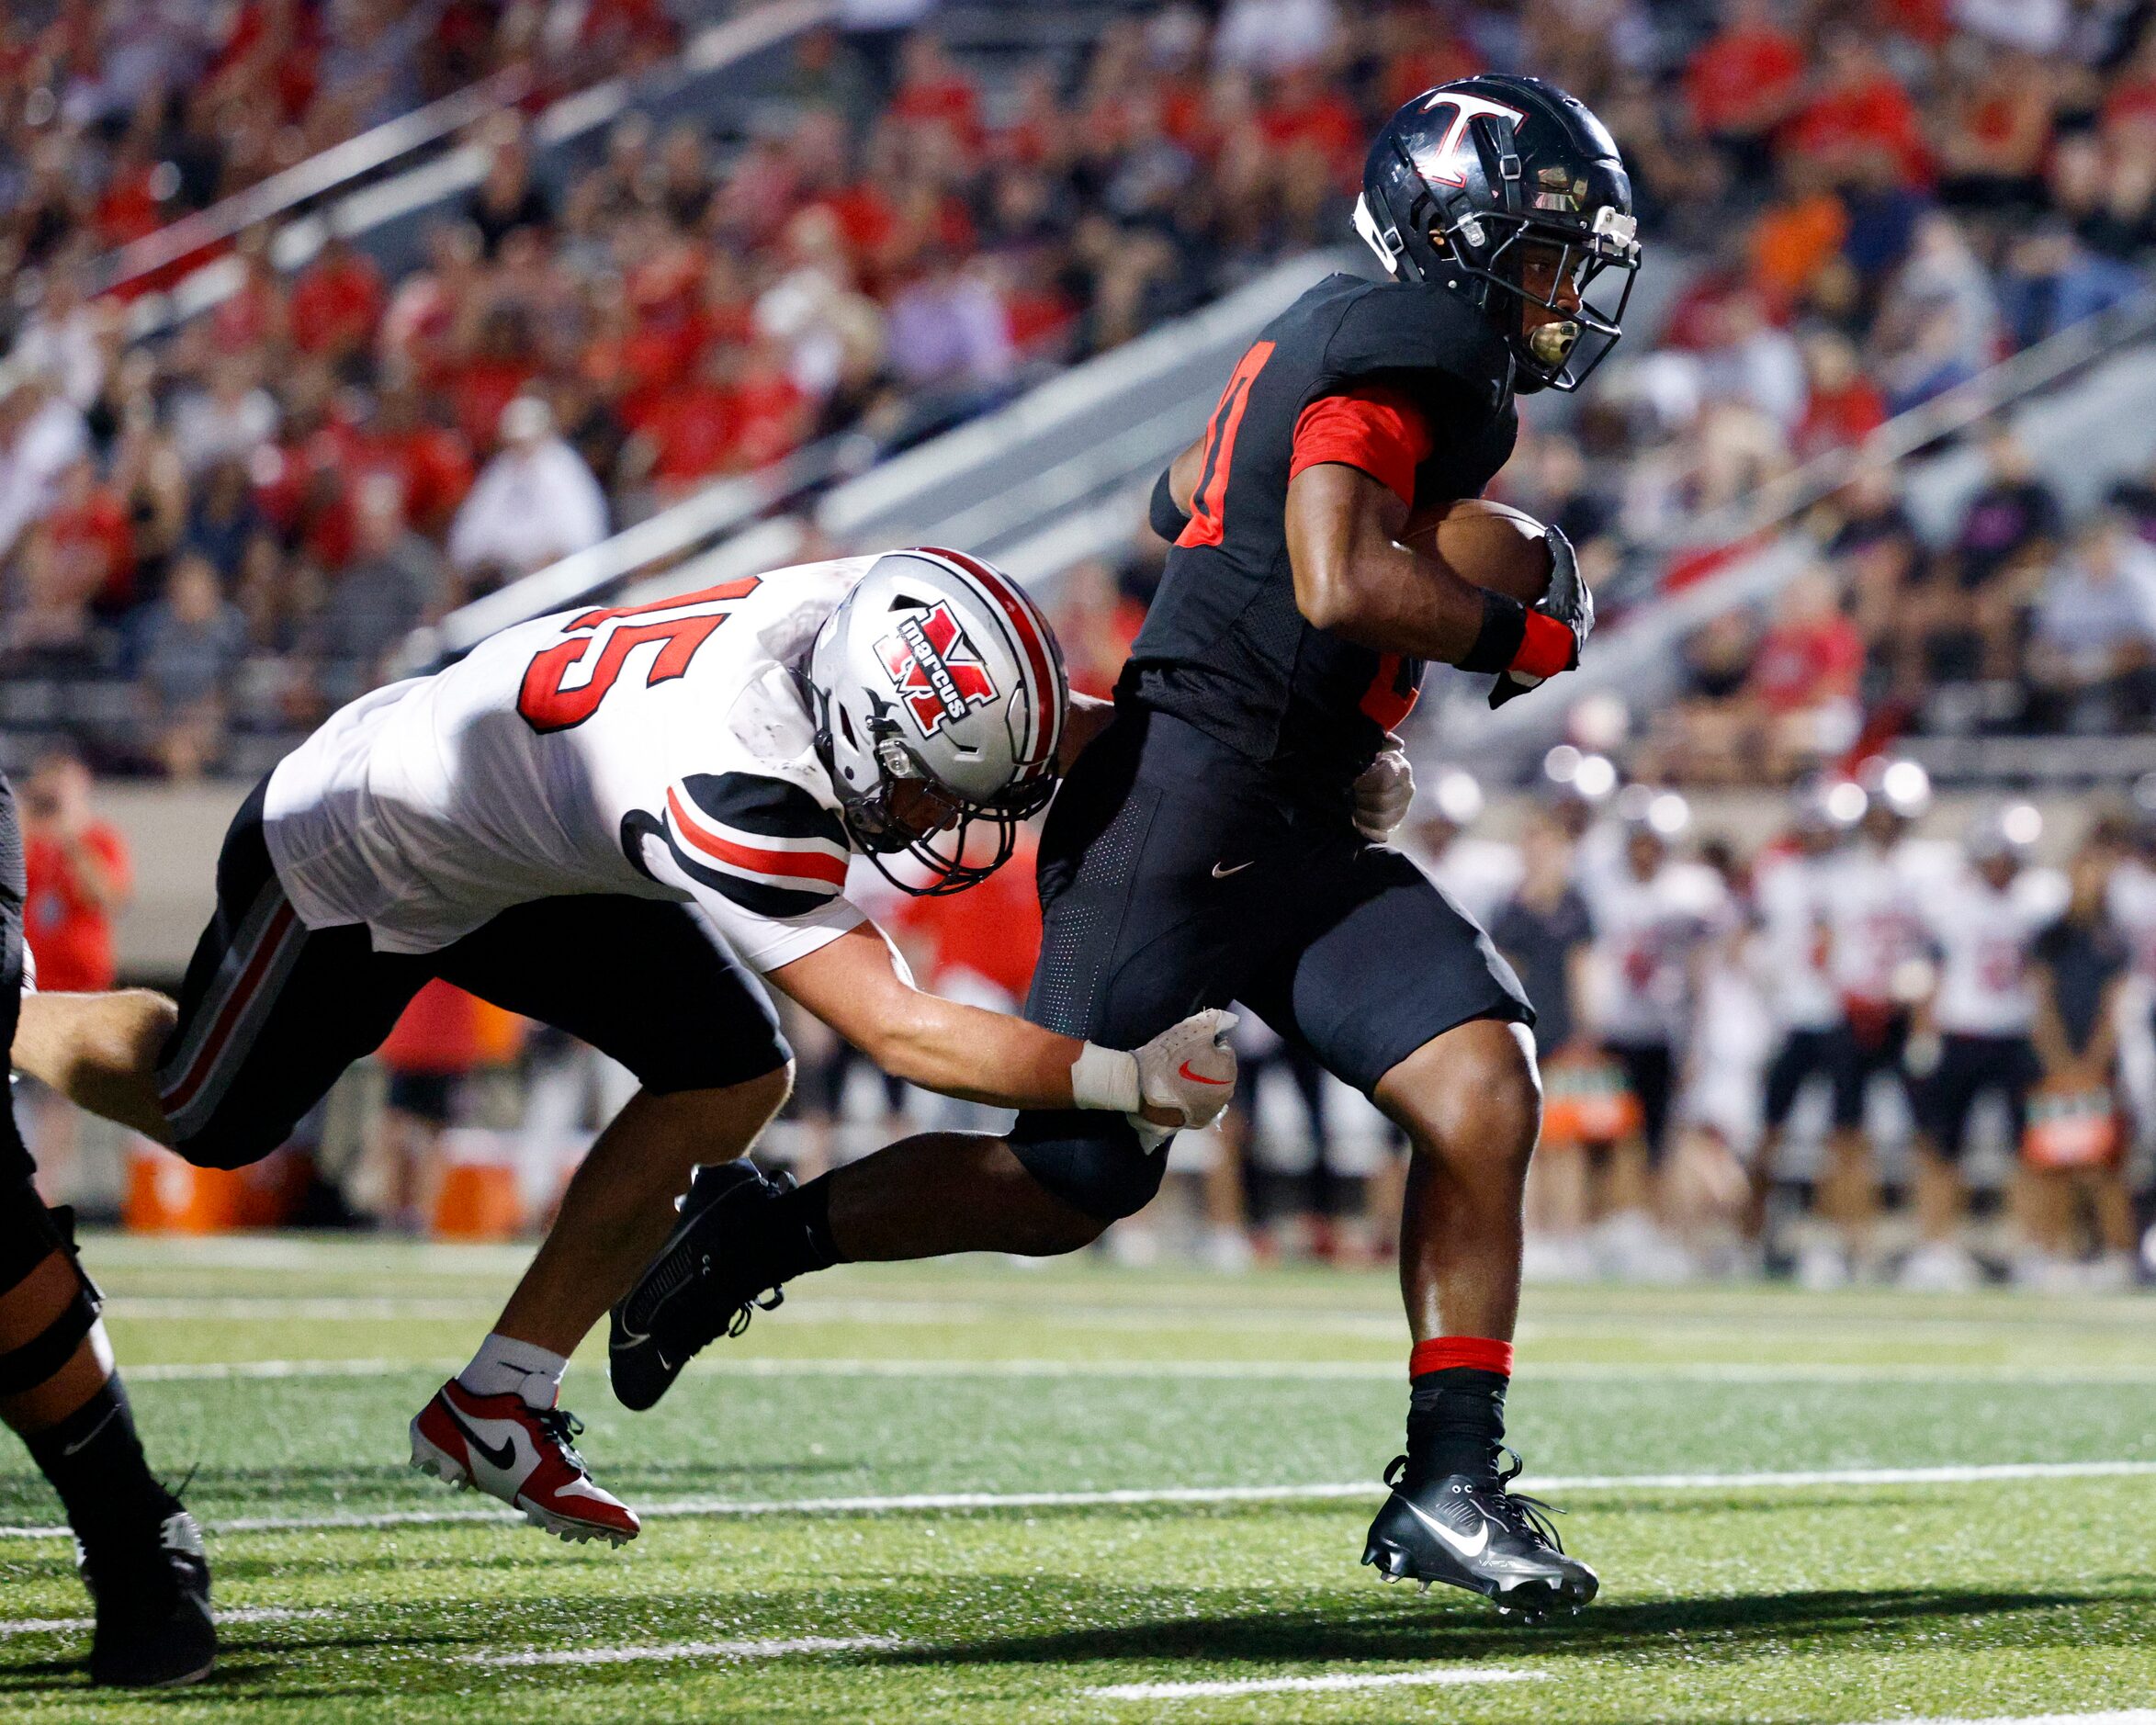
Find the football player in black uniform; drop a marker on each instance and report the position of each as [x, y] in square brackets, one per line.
[139, 1552]
[1204, 850]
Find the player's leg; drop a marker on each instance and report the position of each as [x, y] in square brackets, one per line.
[1399, 993]
[651, 984]
[142, 1552]
[1941, 1263]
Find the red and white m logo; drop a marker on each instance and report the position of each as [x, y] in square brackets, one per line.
[938, 674]
[1443, 165]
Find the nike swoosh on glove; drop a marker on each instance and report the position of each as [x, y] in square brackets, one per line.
[1188, 1069]
[1569, 602]
[1383, 792]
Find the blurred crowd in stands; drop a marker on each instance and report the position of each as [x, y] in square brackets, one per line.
[209, 538]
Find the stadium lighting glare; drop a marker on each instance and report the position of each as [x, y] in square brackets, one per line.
[1596, 779]
[2022, 823]
[1907, 787]
[1847, 802]
[1601, 722]
[1458, 797]
[1560, 765]
[1669, 814]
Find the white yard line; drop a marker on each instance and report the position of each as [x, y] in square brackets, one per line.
[934, 1502]
[235, 1613]
[2131, 1716]
[213, 1370]
[774, 1648]
[1279, 1685]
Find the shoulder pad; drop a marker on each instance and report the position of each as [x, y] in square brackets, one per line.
[767, 845]
[1410, 327]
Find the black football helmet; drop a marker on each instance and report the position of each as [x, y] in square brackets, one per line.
[1470, 180]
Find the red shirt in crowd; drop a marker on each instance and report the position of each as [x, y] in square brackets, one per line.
[1837, 418]
[336, 303]
[1737, 75]
[69, 934]
[1878, 115]
[1801, 665]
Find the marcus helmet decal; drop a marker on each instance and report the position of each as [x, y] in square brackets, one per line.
[936, 670]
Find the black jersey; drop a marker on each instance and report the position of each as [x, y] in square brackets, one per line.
[1223, 647]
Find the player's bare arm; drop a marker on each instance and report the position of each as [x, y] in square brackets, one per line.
[857, 986]
[1354, 577]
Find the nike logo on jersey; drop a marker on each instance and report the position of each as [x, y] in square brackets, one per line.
[1458, 1541]
[1198, 1078]
[501, 1455]
[1221, 872]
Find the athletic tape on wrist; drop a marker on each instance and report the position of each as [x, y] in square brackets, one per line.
[1105, 1078]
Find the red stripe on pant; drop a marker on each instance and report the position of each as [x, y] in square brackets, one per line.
[205, 1061]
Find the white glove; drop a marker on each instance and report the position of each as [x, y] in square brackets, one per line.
[1384, 793]
[1188, 1068]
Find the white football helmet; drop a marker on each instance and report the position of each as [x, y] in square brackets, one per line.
[937, 672]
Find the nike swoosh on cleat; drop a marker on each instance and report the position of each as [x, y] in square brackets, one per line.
[1198, 1078]
[1459, 1542]
[1221, 874]
[501, 1455]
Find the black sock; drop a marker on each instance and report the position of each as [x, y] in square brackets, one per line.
[95, 1463]
[802, 1230]
[1456, 1421]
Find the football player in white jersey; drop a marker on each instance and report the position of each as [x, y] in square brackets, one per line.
[1877, 964]
[1794, 895]
[1984, 922]
[608, 820]
[1653, 914]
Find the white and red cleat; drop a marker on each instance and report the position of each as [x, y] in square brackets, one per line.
[523, 1455]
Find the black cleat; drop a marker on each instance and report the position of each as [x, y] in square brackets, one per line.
[154, 1630]
[1471, 1530]
[714, 1272]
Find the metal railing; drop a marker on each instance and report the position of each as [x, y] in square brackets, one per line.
[296, 196]
[336, 167]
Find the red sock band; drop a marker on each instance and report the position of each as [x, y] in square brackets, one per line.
[1477, 1353]
[1545, 649]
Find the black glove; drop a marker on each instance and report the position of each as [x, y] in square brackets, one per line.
[1569, 602]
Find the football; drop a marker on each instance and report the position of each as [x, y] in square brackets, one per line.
[1489, 544]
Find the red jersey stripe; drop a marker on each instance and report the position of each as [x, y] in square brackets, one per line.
[812, 865]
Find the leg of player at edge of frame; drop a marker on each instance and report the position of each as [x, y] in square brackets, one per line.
[496, 1426]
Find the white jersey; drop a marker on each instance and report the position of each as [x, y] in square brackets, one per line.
[1985, 936]
[662, 751]
[1875, 927]
[1795, 895]
[1645, 934]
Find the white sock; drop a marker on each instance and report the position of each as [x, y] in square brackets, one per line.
[504, 1366]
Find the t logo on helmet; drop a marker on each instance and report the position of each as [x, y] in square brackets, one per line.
[1442, 164]
[939, 676]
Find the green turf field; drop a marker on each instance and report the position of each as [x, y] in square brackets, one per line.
[981, 1493]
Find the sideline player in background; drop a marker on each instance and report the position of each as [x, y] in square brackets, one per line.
[141, 1554]
[597, 819]
[1206, 847]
